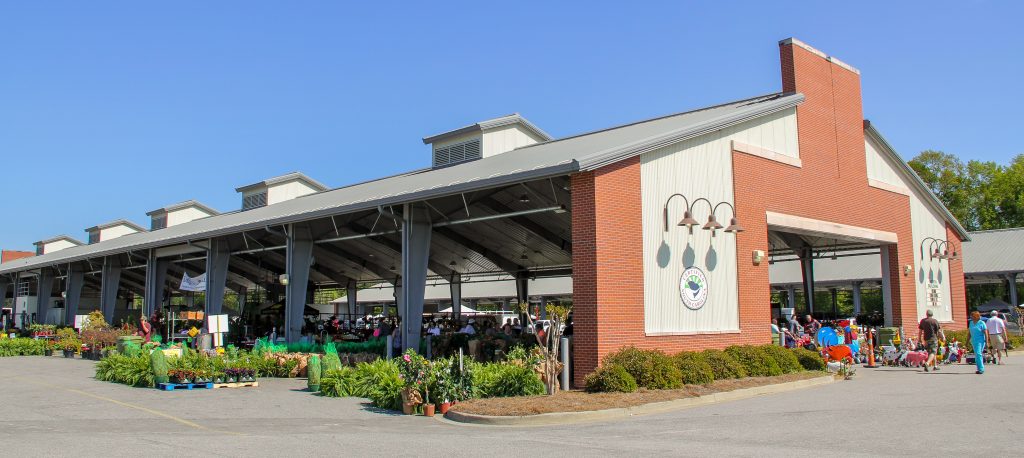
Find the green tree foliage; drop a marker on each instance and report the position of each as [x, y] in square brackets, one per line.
[981, 194]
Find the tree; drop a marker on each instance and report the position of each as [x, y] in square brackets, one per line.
[981, 195]
[550, 342]
[947, 177]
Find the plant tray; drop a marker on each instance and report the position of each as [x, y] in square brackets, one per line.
[236, 385]
[183, 386]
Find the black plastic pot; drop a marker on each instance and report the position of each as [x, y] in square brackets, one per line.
[47, 352]
[69, 353]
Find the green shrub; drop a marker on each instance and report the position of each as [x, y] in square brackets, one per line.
[22, 346]
[338, 383]
[754, 360]
[329, 362]
[380, 382]
[129, 370]
[611, 378]
[785, 359]
[724, 367]
[158, 365]
[808, 359]
[494, 380]
[313, 372]
[694, 368]
[651, 369]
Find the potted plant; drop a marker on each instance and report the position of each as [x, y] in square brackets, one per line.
[67, 340]
[413, 371]
[48, 348]
[231, 374]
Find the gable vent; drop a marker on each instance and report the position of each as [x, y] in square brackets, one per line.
[457, 152]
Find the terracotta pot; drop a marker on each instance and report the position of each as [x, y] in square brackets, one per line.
[445, 406]
[428, 410]
[408, 409]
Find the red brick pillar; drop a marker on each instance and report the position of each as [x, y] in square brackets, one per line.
[957, 283]
[608, 275]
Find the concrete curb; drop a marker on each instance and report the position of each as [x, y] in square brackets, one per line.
[561, 418]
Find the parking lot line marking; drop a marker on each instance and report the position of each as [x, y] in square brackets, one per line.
[133, 406]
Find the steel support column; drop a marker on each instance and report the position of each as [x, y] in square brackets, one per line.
[455, 284]
[109, 285]
[351, 293]
[791, 297]
[217, 259]
[4, 284]
[887, 284]
[523, 292]
[44, 291]
[416, 230]
[156, 278]
[1012, 280]
[807, 268]
[76, 279]
[299, 253]
[856, 298]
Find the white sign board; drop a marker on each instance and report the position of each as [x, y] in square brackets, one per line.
[192, 283]
[934, 295]
[217, 326]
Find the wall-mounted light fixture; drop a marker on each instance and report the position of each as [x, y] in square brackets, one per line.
[689, 221]
[758, 257]
[939, 249]
[283, 278]
[907, 269]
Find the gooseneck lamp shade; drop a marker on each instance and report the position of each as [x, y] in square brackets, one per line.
[734, 226]
[712, 224]
[937, 254]
[688, 221]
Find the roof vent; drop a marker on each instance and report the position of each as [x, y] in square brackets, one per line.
[278, 189]
[484, 139]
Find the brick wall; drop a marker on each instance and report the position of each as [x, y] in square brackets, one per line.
[10, 255]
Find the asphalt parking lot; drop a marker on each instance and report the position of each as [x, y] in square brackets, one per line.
[53, 407]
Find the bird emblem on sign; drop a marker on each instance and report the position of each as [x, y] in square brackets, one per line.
[693, 288]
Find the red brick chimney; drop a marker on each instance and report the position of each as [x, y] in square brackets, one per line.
[831, 118]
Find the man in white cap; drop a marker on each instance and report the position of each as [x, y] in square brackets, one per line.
[469, 329]
[997, 336]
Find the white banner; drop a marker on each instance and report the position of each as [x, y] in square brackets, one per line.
[193, 284]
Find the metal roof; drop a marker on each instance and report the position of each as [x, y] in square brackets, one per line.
[59, 238]
[294, 176]
[502, 121]
[916, 181]
[117, 222]
[997, 251]
[181, 205]
[828, 271]
[549, 159]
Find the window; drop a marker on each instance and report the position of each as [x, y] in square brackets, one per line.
[39, 249]
[23, 289]
[456, 153]
[94, 237]
[159, 222]
[254, 200]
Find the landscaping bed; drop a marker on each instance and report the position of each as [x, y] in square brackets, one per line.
[581, 401]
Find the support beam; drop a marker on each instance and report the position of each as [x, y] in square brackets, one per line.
[217, 259]
[437, 267]
[416, 231]
[299, 253]
[791, 297]
[76, 279]
[856, 298]
[44, 291]
[529, 224]
[455, 283]
[351, 293]
[5, 284]
[523, 292]
[887, 283]
[495, 258]
[1012, 280]
[156, 279]
[807, 269]
[110, 277]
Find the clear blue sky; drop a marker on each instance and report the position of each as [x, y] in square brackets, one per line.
[112, 109]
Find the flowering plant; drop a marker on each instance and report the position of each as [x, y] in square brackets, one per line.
[413, 369]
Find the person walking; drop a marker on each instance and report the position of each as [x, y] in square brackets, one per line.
[997, 336]
[928, 334]
[979, 340]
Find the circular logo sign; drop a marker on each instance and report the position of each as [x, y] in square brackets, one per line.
[693, 288]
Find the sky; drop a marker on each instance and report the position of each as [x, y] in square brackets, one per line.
[112, 109]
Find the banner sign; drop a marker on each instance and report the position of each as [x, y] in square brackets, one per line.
[193, 283]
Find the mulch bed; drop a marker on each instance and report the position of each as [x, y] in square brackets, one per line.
[580, 401]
